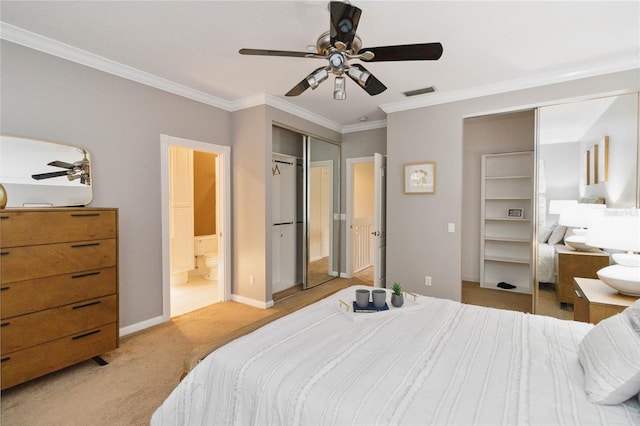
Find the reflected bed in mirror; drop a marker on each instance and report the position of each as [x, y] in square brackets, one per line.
[37, 173]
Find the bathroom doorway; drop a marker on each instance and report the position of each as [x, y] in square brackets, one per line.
[194, 236]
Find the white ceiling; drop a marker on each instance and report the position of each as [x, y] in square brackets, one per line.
[489, 47]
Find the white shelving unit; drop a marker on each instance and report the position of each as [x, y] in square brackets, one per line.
[506, 250]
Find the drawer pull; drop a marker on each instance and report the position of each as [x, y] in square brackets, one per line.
[84, 245]
[84, 214]
[6, 358]
[5, 288]
[4, 324]
[4, 217]
[578, 294]
[97, 302]
[85, 335]
[88, 274]
[4, 253]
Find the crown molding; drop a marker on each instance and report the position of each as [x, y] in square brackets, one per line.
[361, 127]
[62, 50]
[622, 64]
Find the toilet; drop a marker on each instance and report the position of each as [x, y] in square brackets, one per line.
[206, 248]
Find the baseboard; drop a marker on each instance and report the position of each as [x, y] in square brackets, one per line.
[344, 275]
[252, 302]
[471, 279]
[133, 328]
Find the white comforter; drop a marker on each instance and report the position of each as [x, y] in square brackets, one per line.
[440, 362]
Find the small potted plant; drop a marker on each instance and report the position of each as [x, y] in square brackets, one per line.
[397, 299]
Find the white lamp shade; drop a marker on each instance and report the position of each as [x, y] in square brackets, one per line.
[556, 206]
[578, 215]
[617, 229]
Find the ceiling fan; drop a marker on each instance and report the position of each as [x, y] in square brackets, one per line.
[341, 44]
[77, 170]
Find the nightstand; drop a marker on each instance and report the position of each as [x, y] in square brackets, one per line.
[571, 263]
[595, 301]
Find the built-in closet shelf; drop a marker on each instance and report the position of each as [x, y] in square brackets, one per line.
[506, 241]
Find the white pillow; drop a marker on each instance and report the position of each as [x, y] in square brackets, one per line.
[610, 357]
[544, 233]
[557, 235]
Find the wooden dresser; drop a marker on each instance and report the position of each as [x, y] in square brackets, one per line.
[59, 289]
[571, 263]
[596, 301]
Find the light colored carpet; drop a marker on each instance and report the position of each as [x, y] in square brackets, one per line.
[143, 370]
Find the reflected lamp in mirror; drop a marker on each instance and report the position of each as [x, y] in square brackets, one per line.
[618, 229]
[578, 217]
[556, 206]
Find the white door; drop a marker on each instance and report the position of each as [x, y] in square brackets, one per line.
[380, 220]
[181, 210]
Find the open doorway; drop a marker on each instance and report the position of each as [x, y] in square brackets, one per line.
[361, 237]
[195, 203]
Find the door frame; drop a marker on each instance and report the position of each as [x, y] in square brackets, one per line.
[223, 212]
[351, 162]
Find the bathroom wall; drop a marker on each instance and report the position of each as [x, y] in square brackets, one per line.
[204, 193]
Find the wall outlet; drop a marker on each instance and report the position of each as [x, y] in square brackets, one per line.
[451, 227]
[427, 280]
[252, 279]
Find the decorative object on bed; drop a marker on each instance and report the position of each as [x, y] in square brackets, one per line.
[452, 364]
[397, 299]
[379, 298]
[362, 297]
[610, 356]
[420, 178]
[619, 229]
[578, 216]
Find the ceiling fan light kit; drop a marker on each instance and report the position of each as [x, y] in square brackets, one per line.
[341, 44]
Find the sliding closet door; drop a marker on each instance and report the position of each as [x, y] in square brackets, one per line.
[322, 211]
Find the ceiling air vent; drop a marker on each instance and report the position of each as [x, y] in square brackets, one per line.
[420, 91]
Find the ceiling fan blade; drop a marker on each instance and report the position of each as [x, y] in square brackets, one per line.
[366, 80]
[50, 175]
[405, 52]
[313, 80]
[343, 23]
[266, 52]
[61, 164]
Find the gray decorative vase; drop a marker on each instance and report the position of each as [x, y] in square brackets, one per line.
[362, 298]
[379, 298]
[397, 300]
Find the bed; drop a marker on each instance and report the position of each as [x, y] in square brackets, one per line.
[432, 361]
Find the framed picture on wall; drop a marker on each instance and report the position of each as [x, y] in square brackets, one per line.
[587, 165]
[603, 159]
[593, 165]
[420, 178]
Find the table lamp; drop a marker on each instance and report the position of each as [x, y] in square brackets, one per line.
[556, 206]
[618, 229]
[578, 216]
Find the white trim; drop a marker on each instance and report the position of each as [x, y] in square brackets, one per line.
[252, 302]
[623, 64]
[224, 155]
[349, 212]
[360, 127]
[139, 326]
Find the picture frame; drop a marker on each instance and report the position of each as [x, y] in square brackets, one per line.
[420, 178]
[593, 165]
[587, 165]
[603, 159]
[515, 213]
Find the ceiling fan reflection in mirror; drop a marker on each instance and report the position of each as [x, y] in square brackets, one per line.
[341, 44]
[77, 170]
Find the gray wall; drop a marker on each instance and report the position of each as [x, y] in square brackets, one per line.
[486, 135]
[120, 123]
[418, 243]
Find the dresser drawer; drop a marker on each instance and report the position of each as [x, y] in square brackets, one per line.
[29, 330]
[23, 297]
[22, 228]
[20, 366]
[25, 263]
